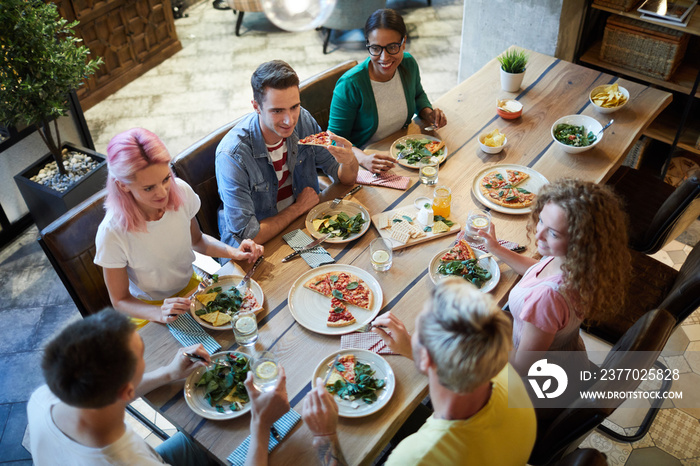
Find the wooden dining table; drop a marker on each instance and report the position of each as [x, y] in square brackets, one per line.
[551, 89]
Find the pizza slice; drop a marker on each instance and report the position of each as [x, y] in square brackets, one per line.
[512, 196]
[351, 289]
[516, 177]
[318, 139]
[348, 373]
[339, 315]
[320, 284]
[249, 302]
[435, 146]
[491, 181]
[461, 251]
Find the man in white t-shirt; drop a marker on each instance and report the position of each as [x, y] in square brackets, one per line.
[93, 369]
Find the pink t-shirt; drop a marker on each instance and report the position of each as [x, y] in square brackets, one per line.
[540, 302]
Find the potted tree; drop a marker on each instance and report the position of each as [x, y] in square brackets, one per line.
[513, 62]
[41, 62]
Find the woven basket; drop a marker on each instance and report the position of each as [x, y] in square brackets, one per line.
[648, 49]
[622, 5]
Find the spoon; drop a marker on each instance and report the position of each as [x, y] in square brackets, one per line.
[601, 131]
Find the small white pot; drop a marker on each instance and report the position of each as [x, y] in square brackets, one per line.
[510, 82]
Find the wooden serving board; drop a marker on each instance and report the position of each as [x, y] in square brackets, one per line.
[412, 211]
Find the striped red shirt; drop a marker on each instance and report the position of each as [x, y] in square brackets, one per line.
[278, 155]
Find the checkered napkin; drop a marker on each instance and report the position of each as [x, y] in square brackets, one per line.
[282, 427]
[297, 239]
[482, 247]
[367, 340]
[188, 332]
[386, 179]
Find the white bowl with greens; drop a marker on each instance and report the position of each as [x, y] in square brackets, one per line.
[576, 133]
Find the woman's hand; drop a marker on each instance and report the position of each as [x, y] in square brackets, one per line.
[249, 251]
[172, 308]
[376, 163]
[490, 238]
[267, 407]
[435, 116]
[393, 332]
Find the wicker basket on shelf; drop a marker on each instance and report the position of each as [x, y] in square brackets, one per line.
[622, 5]
[648, 49]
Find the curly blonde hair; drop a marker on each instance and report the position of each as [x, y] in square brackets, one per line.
[597, 264]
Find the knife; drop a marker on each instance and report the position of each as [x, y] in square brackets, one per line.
[245, 280]
[306, 248]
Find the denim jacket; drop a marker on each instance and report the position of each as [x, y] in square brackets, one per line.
[246, 177]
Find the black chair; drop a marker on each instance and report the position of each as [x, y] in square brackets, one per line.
[584, 457]
[657, 212]
[638, 348]
[316, 92]
[684, 297]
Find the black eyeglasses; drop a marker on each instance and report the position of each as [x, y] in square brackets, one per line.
[391, 49]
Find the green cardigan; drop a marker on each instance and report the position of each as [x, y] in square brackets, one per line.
[353, 112]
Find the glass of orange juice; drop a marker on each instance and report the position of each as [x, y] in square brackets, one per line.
[442, 199]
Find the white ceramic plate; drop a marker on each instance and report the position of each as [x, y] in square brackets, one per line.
[349, 207]
[311, 309]
[382, 371]
[532, 184]
[489, 264]
[395, 152]
[225, 283]
[194, 396]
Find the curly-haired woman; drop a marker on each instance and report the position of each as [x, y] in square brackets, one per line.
[145, 242]
[581, 233]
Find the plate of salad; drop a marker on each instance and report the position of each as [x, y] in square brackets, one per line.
[217, 392]
[372, 385]
[345, 222]
[482, 273]
[408, 150]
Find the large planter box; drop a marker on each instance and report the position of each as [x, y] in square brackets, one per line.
[46, 204]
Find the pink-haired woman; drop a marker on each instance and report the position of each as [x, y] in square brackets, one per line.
[145, 242]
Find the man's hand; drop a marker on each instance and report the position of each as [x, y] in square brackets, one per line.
[172, 308]
[376, 163]
[320, 412]
[248, 250]
[267, 407]
[307, 199]
[342, 151]
[181, 366]
[394, 334]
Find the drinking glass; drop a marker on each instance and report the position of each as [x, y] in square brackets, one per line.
[245, 328]
[428, 169]
[477, 220]
[442, 198]
[380, 254]
[265, 371]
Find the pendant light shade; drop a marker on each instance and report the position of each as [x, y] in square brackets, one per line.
[298, 15]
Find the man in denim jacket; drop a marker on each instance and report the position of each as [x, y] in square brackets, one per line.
[248, 176]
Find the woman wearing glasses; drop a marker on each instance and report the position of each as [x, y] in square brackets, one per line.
[380, 96]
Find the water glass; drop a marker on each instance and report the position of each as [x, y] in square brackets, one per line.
[428, 170]
[477, 220]
[265, 371]
[380, 253]
[245, 328]
[442, 199]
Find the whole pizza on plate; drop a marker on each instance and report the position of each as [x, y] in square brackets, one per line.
[504, 190]
[343, 288]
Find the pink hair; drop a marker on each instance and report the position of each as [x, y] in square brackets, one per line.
[128, 153]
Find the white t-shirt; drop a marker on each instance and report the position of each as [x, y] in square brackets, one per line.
[158, 261]
[391, 107]
[50, 446]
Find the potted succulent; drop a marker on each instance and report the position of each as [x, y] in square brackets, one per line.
[513, 63]
[41, 62]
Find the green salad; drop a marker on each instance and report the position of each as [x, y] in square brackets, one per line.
[228, 301]
[412, 150]
[469, 269]
[339, 225]
[573, 135]
[223, 384]
[364, 388]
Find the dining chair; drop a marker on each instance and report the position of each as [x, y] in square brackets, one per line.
[639, 348]
[348, 15]
[69, 244]
[316, 92]
[657, 212]
[583, 457]
[195, 165]
[240, 7]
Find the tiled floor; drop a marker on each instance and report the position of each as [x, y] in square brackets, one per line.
[203, 87]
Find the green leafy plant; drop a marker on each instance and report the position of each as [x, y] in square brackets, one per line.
[41, 61]
[513, 60]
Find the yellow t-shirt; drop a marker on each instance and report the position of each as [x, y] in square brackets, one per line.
[495, 436]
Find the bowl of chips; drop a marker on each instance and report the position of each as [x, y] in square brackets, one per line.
[493, 142]
[509, 109]
[609, 98]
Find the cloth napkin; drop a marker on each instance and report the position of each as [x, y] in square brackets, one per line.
[282, 426]
[297, 239]
[482, 247]
[188, 332]
[367, 340]
[386, 179]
